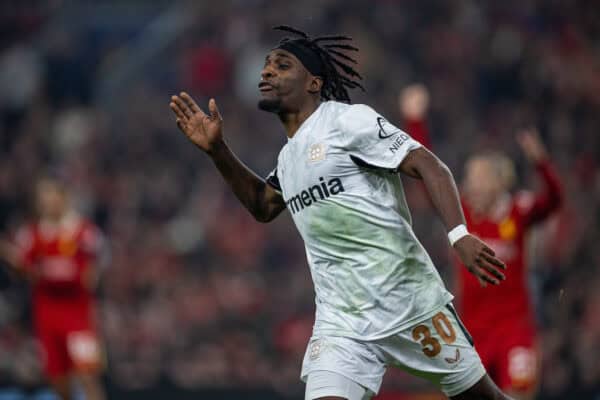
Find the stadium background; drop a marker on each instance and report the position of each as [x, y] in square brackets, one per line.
[199, 300]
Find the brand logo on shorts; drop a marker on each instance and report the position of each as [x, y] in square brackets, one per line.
[455, 359]
[315, 350]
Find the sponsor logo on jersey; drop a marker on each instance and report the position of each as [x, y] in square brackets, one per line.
[383, 134]
[316, 152]
[398, 142]
[321, 191]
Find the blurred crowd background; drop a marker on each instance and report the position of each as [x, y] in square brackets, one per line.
[199, 296]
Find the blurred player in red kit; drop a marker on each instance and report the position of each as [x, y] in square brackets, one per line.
[59, 254]
[501, 319]
[413, 103]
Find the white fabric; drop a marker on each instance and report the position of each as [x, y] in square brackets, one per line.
[372, 277]
[454, 369]
[457, 233]
[326, 383]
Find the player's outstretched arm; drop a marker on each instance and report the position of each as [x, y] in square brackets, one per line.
[206, 132]
[550, 198]
[10, 255]
[479, 259]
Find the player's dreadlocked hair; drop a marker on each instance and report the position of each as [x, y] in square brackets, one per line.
[322, 57]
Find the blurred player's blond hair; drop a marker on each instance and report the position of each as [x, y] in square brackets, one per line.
[502, 165]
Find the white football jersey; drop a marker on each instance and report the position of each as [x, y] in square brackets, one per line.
[338, 178]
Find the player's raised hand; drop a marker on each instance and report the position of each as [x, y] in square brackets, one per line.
[204, 130]
[480, 260]
[532, 145]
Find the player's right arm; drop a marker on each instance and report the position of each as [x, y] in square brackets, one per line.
[206, 132]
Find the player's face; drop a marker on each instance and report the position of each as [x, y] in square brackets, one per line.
[51, 201]
[482, 184]
[284, 83]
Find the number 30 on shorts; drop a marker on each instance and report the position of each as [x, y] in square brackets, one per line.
[443, 327]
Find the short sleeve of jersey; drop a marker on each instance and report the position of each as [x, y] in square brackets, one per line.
[371, 140]
[273, 181]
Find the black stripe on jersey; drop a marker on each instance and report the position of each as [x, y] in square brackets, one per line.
[273, 181]
[362, 163]
[460, 324]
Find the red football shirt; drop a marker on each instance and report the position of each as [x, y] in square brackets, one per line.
[60, 257]
[483, 308]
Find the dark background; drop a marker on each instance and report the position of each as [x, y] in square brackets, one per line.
[199, 299]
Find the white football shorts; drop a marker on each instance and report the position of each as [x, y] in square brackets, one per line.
[438, 349]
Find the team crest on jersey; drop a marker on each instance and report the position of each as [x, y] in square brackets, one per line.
[316, 152]
[508, 229]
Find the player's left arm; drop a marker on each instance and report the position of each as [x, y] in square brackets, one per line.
[97, 250]
[18, 254]
[479, 258]
[550, 198]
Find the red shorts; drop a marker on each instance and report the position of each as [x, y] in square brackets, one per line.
[510, 354]
[69, 347]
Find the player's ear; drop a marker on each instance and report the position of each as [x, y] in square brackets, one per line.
[315, 83]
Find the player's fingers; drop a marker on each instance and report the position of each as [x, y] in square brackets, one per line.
[486, 278]
[180, 124]
[182, 106]
[178, 113]
[214, 110]
[191, 103]
[482, 276]
[493, 260]
[485, 265]
[488, 250]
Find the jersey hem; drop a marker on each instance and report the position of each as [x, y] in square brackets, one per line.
[388, 332]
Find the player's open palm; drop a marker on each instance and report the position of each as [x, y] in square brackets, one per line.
[480, 260]
[203, 129]
[532, 145]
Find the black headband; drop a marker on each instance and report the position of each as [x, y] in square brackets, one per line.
[303, 52]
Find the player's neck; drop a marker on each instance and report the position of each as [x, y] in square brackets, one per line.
[59, 218]
[293, 120]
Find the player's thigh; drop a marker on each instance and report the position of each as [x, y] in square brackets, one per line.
[327, 385]
[438, 349]
[338, 367]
